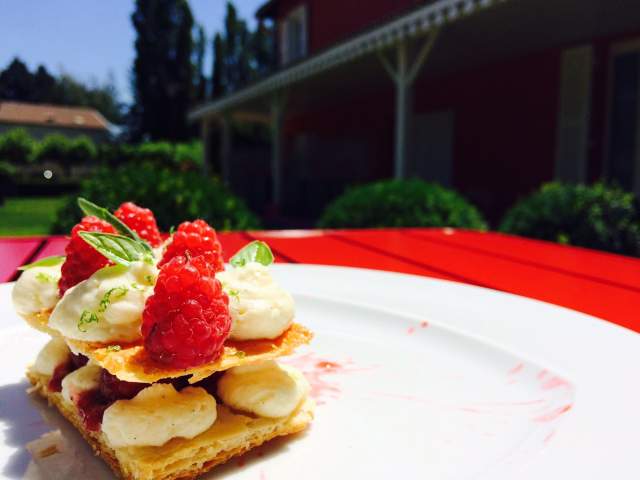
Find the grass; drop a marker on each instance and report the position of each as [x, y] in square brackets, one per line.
[28, 215]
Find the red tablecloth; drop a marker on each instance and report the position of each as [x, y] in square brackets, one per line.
[601, 284]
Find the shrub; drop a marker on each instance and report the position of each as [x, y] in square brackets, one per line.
[189, 155]
[160, 152]
[54, 148]
[173, 196]
[81, 150]
[597, 216]
[16, 146]
[401, 203]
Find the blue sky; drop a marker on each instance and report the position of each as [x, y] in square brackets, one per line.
[89, 39]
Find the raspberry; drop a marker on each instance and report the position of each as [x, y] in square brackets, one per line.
[82, 259]
[186, 320]
[195, 238]
[141, 221]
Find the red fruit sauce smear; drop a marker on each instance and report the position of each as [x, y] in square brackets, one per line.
[91, 404]
[64, 369]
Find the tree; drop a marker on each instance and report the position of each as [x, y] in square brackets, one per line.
[44, 85]
[162, 69]
[240, 55]
[199, 50]
[217, 88]
[17, 83]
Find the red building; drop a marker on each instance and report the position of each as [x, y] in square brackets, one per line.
[491, 97]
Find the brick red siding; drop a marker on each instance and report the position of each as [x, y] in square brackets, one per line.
[332, 21]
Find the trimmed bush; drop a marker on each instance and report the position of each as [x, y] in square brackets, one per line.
[401, 203]
[16, 146]
[598, 216]
[189, 155]
[53, 148]
[173, 196]
[81, 150]
[159, 152]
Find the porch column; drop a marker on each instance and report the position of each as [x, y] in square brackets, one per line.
[277, 117]
[205, 132]
[225, 149]
[403, 74]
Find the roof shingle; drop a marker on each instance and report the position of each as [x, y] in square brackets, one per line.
[51, 115]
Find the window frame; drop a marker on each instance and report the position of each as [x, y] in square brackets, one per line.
[299, 15]
[615, 50]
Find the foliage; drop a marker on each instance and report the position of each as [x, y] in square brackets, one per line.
[199, 52]
[162, 71]
[159, 152]
[401, 203]
[54, 148]
[28, 216]
[81, 150]
[19, 84]
[597, 216]
[16, 146]
[174, 196]
[240, 55]
[189, 155]
[7, 169]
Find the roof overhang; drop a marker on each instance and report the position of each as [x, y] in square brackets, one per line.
[418, 22]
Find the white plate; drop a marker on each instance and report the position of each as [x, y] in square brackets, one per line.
[417, 378]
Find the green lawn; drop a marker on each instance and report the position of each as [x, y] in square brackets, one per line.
[28, 216]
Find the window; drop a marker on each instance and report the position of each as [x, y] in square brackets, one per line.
[623, 163]
[293, 36]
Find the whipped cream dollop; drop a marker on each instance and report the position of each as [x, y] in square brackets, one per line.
[157, 414]
[267, 389]
[259, 307]
[107, 306]
[36, 290]
[80, 380]
[54, 353]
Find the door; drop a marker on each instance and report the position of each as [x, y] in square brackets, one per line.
[623, 160]
[433, 147]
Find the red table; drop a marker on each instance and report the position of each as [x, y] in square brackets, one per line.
[597, 283]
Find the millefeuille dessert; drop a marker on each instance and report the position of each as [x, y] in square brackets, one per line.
[161, 358]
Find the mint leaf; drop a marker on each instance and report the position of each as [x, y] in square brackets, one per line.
[119, 249]
[90, 208]
[86, 318]
[45, 262]
[255, 251]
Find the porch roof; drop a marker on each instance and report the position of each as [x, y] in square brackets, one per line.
[416, 23]
[474, 35]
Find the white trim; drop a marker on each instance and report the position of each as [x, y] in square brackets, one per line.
[574, 114]
[419, 22]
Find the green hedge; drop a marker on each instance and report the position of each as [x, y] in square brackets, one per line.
[174, 196]
[16, 147]
[401, 203]
[598, 216]
[19, 148]
[52, 148]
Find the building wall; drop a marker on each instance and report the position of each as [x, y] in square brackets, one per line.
[332, 21]
[38, 132]
[505, 122]
[505, 118]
